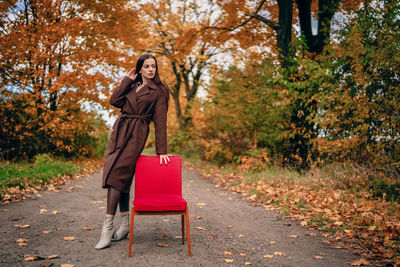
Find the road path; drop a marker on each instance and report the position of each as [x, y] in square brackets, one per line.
[226, 224]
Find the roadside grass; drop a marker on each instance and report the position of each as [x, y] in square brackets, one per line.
[24, 178]
[351, 206]
[12, 174]
[26, 174]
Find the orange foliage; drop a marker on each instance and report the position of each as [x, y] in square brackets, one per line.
[178, 36]
[55, 56]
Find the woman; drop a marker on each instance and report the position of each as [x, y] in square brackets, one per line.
[142, 97]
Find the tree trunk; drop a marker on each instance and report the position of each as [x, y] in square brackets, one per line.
[175, 94]
[284, 31]
[326, 11]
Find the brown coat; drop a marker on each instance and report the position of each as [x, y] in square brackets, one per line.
[131, 129]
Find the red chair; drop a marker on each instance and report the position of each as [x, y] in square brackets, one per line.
[158, 191]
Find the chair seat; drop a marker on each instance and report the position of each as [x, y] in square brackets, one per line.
[159, 203]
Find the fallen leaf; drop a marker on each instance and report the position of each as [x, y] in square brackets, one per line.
[201, 204]
[31, 257]
[229, 226]
[325, 235]
[100, 201]
[94, 202]
[228, 260]
[210, 236]
[43, 210]
[338, 223]
[178, 236]
[46, 264]
[293, 236]
[199, 228]
[22, 226]
[242, 254]
[311, 234]
[69, 238]
[229, 198]
[54, 212]
[247, 263]
[67, 265]
[79, 186]
[198, 217]
[248, 249]
[38, 195]
[163, 234]
[272, 242]
[279, 253]
[22, 241]
[268, 256]
[87, 228]
[253, 197]
[228, 253]
[54, 256]
[318, 257]
[162, 245]
[45, 232]
[60, 229]
[241, 236]
[303, 223]
[359, 262]
[165, 220]
[102, 207]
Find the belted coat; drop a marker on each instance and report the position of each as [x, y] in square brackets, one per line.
[131, 129]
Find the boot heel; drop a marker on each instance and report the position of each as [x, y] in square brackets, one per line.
[123, 230]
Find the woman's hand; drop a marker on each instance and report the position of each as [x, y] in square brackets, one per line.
[164, 158]
[131, 74]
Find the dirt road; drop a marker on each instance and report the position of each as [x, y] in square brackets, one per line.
[225, 225]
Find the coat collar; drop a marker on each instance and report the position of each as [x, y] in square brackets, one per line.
[152, 85]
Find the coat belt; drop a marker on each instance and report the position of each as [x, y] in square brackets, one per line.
[129, 115]
[123, 117]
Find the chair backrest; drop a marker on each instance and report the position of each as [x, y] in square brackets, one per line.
[153, 178]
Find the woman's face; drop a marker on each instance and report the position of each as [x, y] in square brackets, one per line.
[148, 69]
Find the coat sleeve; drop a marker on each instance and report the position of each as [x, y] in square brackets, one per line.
[117, 98]
[160, 123]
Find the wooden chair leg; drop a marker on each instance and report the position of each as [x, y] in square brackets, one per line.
[183, 229]
[131, 232]
[188, 231]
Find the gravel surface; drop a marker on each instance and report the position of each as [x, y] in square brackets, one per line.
[223, 228]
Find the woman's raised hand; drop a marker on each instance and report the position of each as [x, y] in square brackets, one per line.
[131, 74]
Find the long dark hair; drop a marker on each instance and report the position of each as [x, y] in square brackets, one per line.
[156, 79]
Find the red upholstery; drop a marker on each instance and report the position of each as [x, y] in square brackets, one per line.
[158, 187]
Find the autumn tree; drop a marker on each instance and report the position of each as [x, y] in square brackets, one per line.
[279, 17]
[240, 114]
[362, 111]
[56, 55]
[177, 37]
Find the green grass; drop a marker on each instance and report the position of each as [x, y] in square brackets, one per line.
[25, 174]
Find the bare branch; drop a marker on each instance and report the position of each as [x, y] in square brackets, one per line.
[270, 23]
[241, 24]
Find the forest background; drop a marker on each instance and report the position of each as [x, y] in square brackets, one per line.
[295, 104]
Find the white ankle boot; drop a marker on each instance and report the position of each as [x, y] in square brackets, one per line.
[123, 230]
[106, 233]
